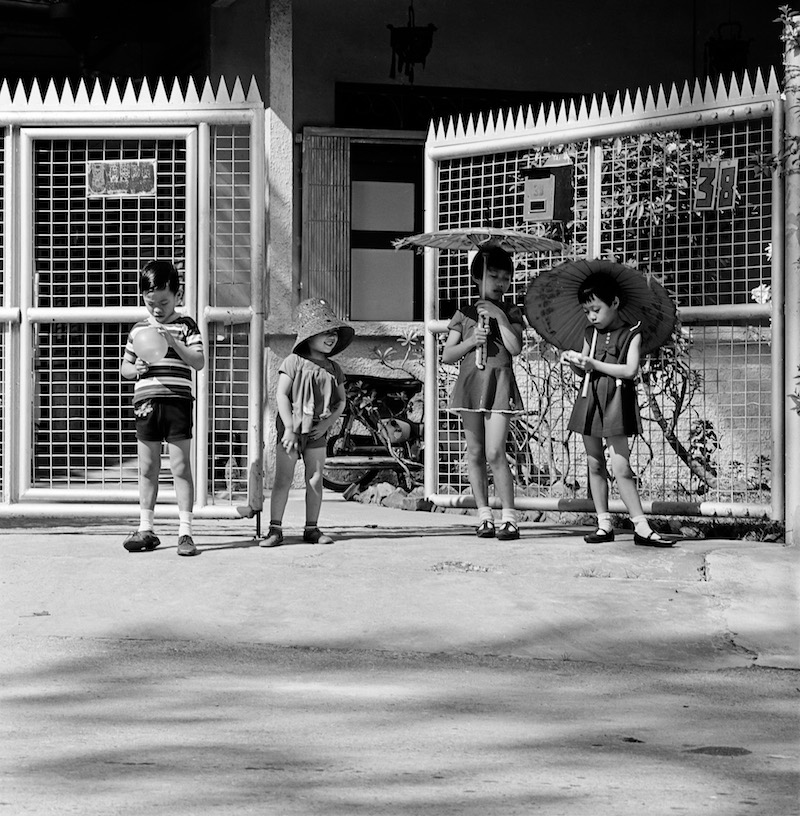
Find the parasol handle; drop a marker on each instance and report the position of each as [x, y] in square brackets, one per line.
[480, 351]
[585, 389]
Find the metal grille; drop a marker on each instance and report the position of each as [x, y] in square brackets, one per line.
[705, 400]
[231, 274]
[83, 420]
[230, 216]
[228, 411]
[88, 252]
[484, 190]
[707, 258]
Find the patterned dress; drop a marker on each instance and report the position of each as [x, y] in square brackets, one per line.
[493, 388]
[610, 407]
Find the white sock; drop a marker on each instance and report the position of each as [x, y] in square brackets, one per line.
[604, 522]
[146, 520]
[641, 526]
[485, 514]
[184, 523]
[510, 514]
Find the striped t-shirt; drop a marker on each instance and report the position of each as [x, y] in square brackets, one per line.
[170, 377]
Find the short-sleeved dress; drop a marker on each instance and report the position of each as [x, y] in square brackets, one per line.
[493, 388]
[314, 389]
[610, 407]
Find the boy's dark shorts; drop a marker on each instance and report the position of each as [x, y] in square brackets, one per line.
[163, 420]
[304, 441]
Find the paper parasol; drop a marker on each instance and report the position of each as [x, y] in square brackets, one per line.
[552, 307]
[469, 238]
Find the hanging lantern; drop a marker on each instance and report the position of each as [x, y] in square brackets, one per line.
[410, 46]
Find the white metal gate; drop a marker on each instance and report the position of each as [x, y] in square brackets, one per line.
[713, 404]
[72, 250]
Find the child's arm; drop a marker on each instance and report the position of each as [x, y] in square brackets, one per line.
[132, 369]
[283, 398]
[510, 333]
[622, 371]
[456, 349]
[572, 357]
[191, 355]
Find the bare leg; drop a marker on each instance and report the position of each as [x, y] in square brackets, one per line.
[598, 475]
[475, 436]
[149, 468]
[314, 459]
[621, 467]
[181, 466]
[496, 434]
[284, 473]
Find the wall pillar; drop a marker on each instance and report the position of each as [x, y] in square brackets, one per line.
[791, 340]
[279, 151]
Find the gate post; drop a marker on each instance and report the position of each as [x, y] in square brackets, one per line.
[791, 272]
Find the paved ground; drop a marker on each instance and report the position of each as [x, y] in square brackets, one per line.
[408, 668]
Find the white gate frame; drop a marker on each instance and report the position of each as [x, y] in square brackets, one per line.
[26, 115]
[596, 119]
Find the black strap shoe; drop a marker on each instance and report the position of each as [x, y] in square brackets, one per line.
[599, 536]
[485, 529]
[654, 540]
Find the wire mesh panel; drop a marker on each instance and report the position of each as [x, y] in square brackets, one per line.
[228, 408]
[88, 251]
[231, 280]
[705, 399]
[230, 228]
[83, 416]
[704, 257]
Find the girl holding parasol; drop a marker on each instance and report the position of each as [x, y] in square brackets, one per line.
[607, 407]
[484, 336]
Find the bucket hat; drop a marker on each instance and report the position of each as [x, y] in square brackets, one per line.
[315, 316]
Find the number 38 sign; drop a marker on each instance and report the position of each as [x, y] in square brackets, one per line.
[717, 185]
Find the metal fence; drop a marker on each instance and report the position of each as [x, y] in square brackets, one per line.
[73, 245]
[640, 167]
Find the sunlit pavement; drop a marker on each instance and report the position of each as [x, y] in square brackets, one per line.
[409, 667]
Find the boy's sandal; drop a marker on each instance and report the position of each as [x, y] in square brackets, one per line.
[313, 535]
[186, 546]
[485, 529]
[274, 538]
[141, 540]
[653, 539]
[599, 536]
[508, 531]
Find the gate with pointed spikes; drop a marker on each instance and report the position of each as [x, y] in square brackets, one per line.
[683, 184]
[96, 182]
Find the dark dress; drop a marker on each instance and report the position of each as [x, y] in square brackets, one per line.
[493, 388]
[610, 407]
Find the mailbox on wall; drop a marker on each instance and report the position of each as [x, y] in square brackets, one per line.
[547, 193]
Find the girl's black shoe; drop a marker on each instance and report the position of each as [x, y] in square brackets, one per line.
[485, 529]
[599, 536]
[508, 531]
[653, 540]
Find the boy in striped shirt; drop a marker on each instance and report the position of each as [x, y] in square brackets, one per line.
[162, 403]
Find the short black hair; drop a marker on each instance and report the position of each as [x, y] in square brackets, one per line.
[491, 258]
[159, 275]
[600, 285]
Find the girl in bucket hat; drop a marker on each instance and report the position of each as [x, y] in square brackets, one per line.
[310, 397]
